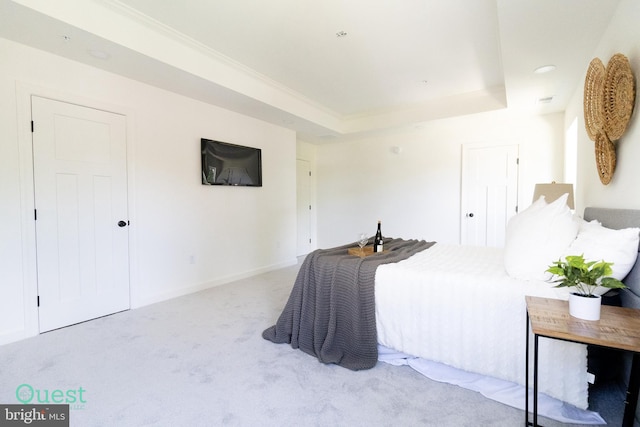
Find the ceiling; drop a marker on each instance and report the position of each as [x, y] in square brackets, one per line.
[332, 69]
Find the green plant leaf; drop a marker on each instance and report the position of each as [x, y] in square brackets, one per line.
[574, 271]
[610, 282]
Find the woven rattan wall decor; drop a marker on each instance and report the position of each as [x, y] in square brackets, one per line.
[609, 97]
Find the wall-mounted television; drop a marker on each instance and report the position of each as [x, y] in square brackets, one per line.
[230, 164]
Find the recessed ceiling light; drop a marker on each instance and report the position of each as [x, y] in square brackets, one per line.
[341, 34]
[544, 69]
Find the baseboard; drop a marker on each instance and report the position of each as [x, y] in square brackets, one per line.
[7, 338]
[175, 293]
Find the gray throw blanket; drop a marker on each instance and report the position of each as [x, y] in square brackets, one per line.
[330, 313]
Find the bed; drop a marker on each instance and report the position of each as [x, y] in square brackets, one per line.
[464, 306]
[630, 297]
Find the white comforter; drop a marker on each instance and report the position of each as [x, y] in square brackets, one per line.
[456, 305]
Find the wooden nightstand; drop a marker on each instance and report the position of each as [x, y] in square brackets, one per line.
[618, 328]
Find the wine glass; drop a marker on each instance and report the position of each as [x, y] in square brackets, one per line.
[363, 239]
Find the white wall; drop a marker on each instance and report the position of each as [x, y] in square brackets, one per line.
[229, 232]
[416, 193]
[622, 36]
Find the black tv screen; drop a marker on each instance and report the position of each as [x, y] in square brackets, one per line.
[230, 164]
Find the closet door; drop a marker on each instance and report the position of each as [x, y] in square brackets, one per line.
[80, 178]
[489, 194]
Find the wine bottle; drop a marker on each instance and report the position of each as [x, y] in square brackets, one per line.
[378, 245]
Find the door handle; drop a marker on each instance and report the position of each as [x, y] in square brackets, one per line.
[470, 215]
[122, 224]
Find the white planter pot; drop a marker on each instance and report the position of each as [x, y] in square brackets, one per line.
[586, 308]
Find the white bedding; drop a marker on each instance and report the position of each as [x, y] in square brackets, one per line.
[457, 305]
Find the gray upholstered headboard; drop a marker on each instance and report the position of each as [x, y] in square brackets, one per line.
[617, 219]
[630, 297]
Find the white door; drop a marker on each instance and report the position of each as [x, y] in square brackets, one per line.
[303, 200]
[80, 178]
[489, 193]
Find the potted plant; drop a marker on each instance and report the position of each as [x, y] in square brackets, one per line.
[585, 277]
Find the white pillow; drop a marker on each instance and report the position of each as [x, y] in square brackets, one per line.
[599, 243]
[585, 225]
[538, 236]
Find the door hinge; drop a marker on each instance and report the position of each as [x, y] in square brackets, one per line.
[309, 240]
[31, 126]
[309, 173]
[35, 214]
[517, 160]
[516, 208]
[38, 300]
[309, 207]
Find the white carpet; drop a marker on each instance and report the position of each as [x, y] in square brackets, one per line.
[200, 360]
[499, 390]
